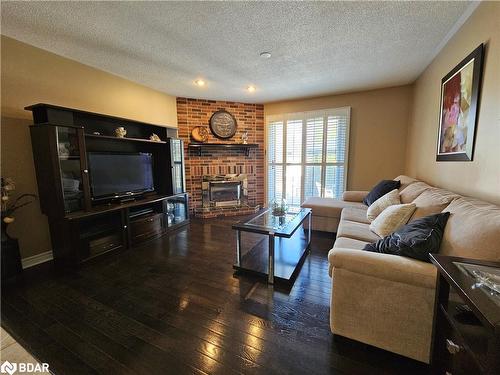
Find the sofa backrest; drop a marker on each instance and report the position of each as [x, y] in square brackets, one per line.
[432, 201]
[412, 191]
[405, 181]
[472, 230]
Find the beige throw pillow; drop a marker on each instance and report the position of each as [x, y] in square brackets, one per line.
[392, 218]
[389, 199]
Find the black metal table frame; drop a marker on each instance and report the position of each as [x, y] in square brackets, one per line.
[272, 234]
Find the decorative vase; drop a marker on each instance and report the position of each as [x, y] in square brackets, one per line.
[170, 219]
[279, 207]
[244, 137]
[199, 134]
[11, 257]
[63, 149]
[120, 132]
[154, 137]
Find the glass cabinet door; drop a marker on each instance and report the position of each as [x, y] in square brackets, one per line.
[68, 151]
[176, 210]
[177, 151]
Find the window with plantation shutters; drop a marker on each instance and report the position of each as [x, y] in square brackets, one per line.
[307, 154]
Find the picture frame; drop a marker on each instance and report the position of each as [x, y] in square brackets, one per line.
[459, 106]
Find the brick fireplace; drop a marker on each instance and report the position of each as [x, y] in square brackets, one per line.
[216, 164]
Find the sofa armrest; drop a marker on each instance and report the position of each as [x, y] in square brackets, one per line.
[354, 195]
[385, 266]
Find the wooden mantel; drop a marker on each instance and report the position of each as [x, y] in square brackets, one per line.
[199, 147]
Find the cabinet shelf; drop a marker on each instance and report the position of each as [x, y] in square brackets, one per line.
[97, 136]
[198, 147]
[72, 157]
[100, 209]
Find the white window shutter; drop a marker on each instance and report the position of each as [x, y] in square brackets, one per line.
[307, 154]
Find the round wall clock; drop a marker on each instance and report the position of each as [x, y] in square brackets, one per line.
[223, 124]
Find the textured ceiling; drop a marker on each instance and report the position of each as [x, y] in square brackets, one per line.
[317, 47]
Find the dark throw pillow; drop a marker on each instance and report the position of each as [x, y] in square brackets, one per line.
[382, 188]
[415, 240]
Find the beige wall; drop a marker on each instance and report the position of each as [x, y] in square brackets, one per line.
[30, 75]
[379, 119]
[481, 177]
[380, 139]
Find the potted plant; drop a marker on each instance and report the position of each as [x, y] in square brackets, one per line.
[279, 207]
[11, 258]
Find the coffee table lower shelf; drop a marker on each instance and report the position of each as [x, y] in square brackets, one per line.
[289, 256]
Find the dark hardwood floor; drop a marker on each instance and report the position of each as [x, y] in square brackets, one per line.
[173, 306]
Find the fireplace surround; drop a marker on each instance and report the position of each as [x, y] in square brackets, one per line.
[221, 161]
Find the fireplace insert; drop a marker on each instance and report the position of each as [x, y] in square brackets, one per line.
[224, 190]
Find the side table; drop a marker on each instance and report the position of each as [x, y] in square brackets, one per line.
[466, 336]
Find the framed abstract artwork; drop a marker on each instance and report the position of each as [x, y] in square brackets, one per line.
[459, 107]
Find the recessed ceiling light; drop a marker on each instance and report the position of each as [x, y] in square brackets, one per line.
[251, 88]
[200, 82]
[265, 55]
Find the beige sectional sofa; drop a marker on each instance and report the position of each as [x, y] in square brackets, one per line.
[387, 300]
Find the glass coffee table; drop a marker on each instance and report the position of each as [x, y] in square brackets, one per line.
[273, 246]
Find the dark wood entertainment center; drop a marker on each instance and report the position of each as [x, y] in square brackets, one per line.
[81, 227]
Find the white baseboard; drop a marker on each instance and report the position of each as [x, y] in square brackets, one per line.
[37, 259]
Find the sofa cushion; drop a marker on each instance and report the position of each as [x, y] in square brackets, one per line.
[412, 191]
[415, 240]
[324, 224]
[349, 243]
[382, 188]
[328, 207]
[432, 201]
[392, 218]
[357, 214]
[389, 199]
[473, 230]
[358, 231]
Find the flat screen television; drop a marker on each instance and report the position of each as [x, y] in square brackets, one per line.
[118, 175]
